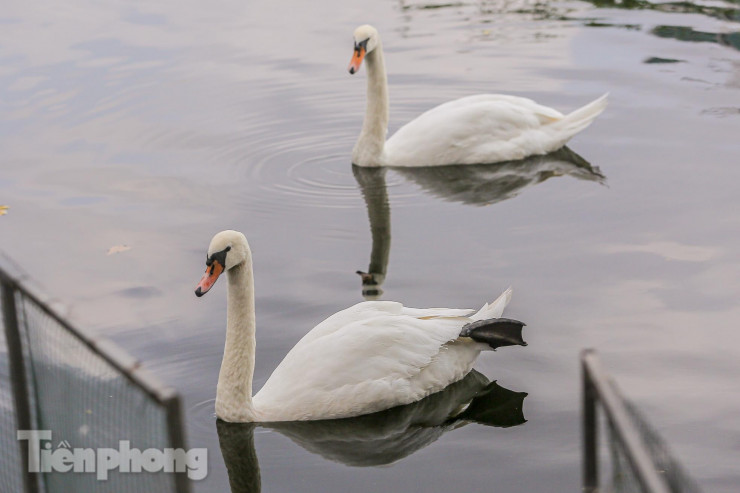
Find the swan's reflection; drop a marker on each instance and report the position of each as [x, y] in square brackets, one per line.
[480, 184]
[485, 184]
[379, 438]
[374, 190]
[237, 447]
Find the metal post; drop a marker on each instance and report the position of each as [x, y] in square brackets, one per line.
[177, 437]
[18, 378]
[612, 404]
[590, 435]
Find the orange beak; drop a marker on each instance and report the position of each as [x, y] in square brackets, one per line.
[357, 57]
[209, 278]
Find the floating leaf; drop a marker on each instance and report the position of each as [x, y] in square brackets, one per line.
[3, 210]
[118, 249]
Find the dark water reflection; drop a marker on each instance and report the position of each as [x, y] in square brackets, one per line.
[686, 33]
[381, 438]
[724, 13]
[557, 11]
[479, 185]
[731, 14]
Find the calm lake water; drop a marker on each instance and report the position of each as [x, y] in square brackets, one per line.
[150, 126]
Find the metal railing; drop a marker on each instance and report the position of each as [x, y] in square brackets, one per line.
[71, 382]
[650, 468]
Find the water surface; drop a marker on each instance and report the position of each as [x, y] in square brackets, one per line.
[147, 127]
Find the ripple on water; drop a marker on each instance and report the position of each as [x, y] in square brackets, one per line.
[325, 180]
[201, 417]
[303, 168]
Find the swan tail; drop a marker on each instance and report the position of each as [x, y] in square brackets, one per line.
[496, 332]
[495, 308]
[581, 118]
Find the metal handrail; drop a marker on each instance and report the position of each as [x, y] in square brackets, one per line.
[109, 351]
[598, 388]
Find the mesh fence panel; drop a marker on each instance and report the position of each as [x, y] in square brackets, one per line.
[623, 477]
[88, 403]
[11, 478]
[90, 396]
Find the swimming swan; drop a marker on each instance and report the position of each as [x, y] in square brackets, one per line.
[372, 356]
[485, 128]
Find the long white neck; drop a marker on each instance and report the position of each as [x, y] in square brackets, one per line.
[234, 391]
[368, 150]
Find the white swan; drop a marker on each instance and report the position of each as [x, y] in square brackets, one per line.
[372, 356]
[486, 128]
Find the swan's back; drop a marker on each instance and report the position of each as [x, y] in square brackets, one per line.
[369, 357]
[484, 128]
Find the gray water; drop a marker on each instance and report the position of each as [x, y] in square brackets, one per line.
[150, 126]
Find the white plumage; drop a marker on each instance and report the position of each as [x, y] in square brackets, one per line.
[366, 358]
[485, 128]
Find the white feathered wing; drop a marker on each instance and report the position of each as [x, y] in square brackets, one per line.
[372, 356]
[485, 128]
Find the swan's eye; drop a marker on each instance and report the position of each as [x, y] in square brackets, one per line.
[219, 257]
[362, 45]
